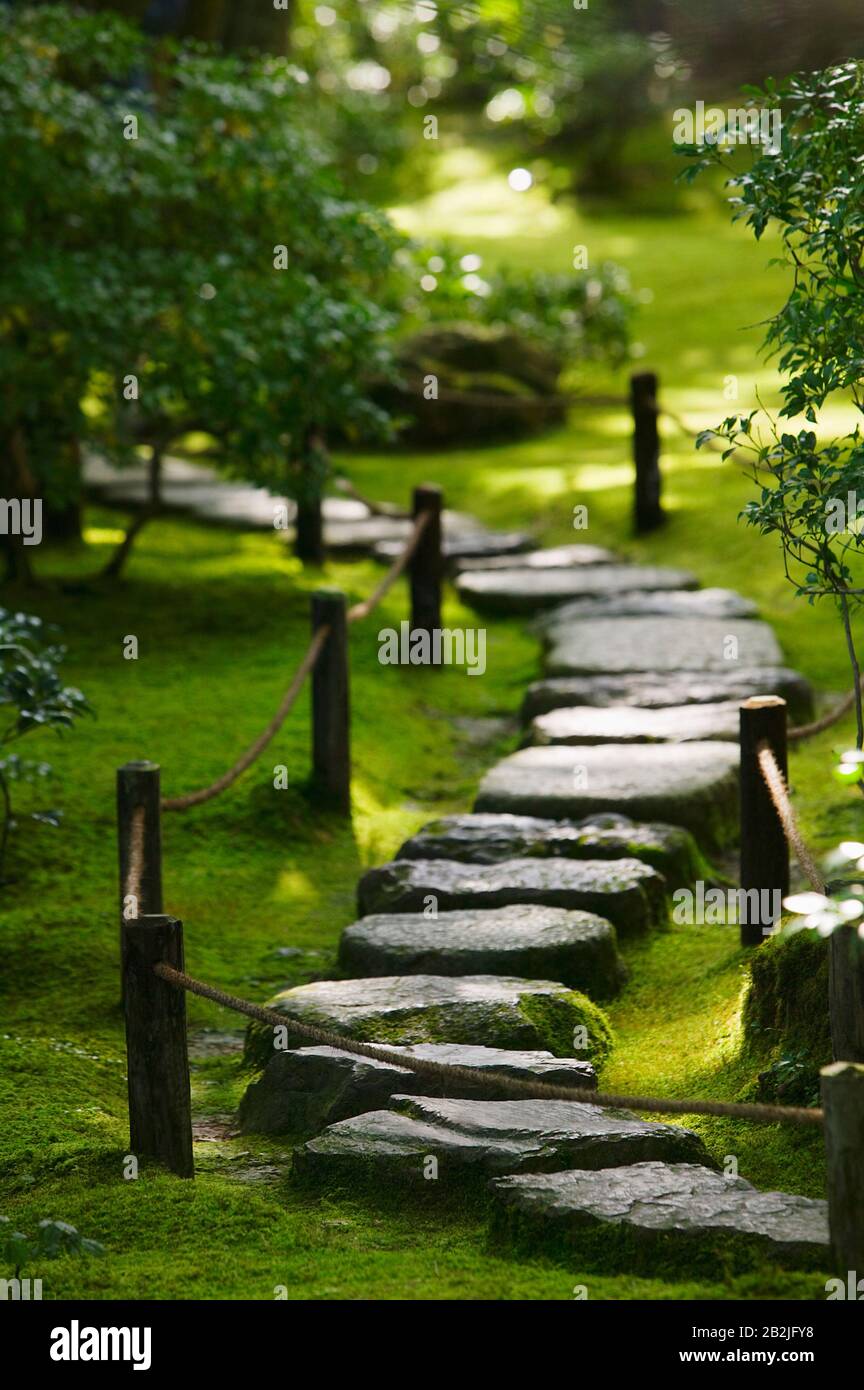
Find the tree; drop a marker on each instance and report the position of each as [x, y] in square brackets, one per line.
[177, 255]
[812, 190]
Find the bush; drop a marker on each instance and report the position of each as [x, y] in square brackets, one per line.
[32, 697]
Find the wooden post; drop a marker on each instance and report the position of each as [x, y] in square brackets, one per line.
[846, 995]
[331, 719]
[843, 1102]
[160, 1109]
[764, 854]
[138, 786]
[647, 512]
[427, 562]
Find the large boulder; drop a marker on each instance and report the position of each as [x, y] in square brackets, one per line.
[548, 943]
[489, 838]
[300, 1092]
[653, 1213]
[628, 893]
[612, 646]
[585, 724]
[662, 690]
[515, 590]
[483, 1138]
[492, 382]
[480, 1010]
[690, 784]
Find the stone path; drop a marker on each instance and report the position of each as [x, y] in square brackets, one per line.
[196, 490]
[491, 936]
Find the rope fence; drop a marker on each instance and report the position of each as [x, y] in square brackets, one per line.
[426, 582]
[445, 1071]
[155, 981]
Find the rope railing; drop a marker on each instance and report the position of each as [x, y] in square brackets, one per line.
[307, 663]
[445, 1071]
[776, 784]
[362, 610]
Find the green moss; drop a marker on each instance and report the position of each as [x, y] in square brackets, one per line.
[557, 1016]
[221, 619]
[614, 1245]
[785, 1017]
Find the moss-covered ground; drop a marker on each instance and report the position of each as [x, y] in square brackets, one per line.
[221, 619]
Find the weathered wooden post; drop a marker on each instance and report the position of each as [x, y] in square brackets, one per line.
[647, 512]
[843, 1103]
[427, 564]
[846, 994]
[764, 854]
[331, 718]
[160, 1109]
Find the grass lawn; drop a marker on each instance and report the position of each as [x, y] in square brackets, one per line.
[221, 620]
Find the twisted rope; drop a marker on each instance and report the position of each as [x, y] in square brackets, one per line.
[313, 651]
[362, 610]
[135, 869]
[539, 1090]
[776, 784]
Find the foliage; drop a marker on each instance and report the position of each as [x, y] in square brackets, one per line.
[33, 697]
[580, 316]
[812, 191]
[177, 252]
[52, 1239]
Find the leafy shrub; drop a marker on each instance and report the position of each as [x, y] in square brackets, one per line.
[580, 316]
[32, 697]
[52, 1239]
[812, 191]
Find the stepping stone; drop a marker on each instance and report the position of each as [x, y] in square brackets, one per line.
[555, 558]
[486, 1138]
[546, 943]
[628, 893]
[304, 1090]
[628, 724]
[523, 590]
[373, 530]
[690, 784]
[486, 838]
[703, 603]
[652, 690]
[660, 1209]
[473, 548]
[598, 646]
[480, 1010]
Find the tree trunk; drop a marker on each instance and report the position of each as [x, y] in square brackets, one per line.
[309, 540]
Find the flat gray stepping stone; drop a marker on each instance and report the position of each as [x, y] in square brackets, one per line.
[703, 603]
[487, 838]
[628, 893]
[522, 591]
[653, 690]
[555, 558]
[546, 943]
[661, 1208]
[487, 1137]
[484, 1010]
[629, 724]
[368, 532]
[598, 646]
[468, 548]
[304, 1090]
[694, 785]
